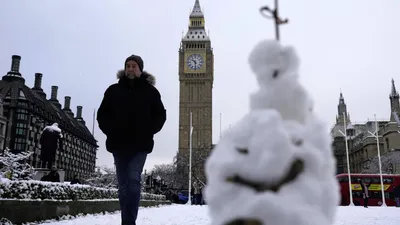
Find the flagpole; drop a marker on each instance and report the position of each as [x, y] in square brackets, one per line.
[94, 119]
[190, 161]
[220, 125]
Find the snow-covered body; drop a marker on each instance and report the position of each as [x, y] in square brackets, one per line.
[280, 147]
[50, 141]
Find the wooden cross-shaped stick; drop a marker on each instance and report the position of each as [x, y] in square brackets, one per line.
[273, 14]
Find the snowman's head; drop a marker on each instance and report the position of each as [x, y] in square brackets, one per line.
[269, 60]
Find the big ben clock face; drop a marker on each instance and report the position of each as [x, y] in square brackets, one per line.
[195, 61]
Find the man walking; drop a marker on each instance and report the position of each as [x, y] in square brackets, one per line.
[130, 114]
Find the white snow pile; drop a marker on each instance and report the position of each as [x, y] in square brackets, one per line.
[177, 214]
[14, 167]
[275, 166]
[36, 190]
[54, 127]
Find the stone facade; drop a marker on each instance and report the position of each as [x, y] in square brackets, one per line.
[196, 75]
[362, 144]
[25, 111]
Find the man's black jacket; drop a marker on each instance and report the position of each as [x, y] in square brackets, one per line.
[131, 113]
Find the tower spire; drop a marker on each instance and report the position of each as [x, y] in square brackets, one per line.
[196, 31]
[393, 92]
[342, 109]
[341, 98]
[196, 11]
[394, 103]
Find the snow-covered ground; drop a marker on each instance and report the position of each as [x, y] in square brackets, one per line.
[198, 215]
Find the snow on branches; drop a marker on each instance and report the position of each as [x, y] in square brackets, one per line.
[14, 167]
[167, 172]
[104, 177]
[60, 191]
[390, 163]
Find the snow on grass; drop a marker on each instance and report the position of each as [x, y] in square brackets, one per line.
[198, 215]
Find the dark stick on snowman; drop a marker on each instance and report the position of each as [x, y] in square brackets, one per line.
[50, 141]
[274, 14]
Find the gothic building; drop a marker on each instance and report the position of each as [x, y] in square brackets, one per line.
[25, 111]
[362, 144]
[196, 75]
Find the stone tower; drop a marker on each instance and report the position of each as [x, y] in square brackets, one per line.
[342, 111]
[394, 103]
[196, 75]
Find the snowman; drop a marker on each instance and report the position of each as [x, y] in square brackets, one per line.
[275, 166]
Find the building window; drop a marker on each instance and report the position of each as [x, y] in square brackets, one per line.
[19, 146]
[22, 114]
[21, 94]
[21, 129]
[387, 144]
[23, 104]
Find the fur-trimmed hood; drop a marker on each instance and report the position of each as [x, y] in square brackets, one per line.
[149, 77]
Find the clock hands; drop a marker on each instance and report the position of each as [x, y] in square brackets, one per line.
[195, 62]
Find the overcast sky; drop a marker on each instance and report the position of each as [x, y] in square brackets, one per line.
[351, 46]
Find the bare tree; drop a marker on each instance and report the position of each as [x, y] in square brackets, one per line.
[390, 163]
[199, 157]
[104, 177]
[176, 174]
[166, 172]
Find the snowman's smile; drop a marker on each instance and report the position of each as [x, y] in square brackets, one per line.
[296, 168]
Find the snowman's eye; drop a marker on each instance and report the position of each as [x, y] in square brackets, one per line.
[297, 142]
[244, 151]
[275, 74]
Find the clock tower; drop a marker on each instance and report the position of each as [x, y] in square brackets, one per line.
[196, 75]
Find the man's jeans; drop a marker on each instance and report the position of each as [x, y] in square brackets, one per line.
[129, 168]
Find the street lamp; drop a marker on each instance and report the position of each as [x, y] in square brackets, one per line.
[348, 160]
[190, 161]
[376, 135]
[273, 14]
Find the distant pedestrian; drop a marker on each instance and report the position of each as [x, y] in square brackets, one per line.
[53, 175]
[130, 114]
[365, 192]
[75, 180]
[397, 195]
[196, 194]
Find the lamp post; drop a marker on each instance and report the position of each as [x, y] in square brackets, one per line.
[376, 135]
[348, 160]
[220, 125]
[274, 14]
[190, 162]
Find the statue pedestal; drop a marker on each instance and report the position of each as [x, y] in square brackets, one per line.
[40, 172]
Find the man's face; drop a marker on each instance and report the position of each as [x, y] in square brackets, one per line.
[132, 69]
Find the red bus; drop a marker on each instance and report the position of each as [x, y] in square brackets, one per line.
[390, 181]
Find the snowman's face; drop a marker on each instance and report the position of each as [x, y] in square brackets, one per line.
[264, 151]
[262, 163]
